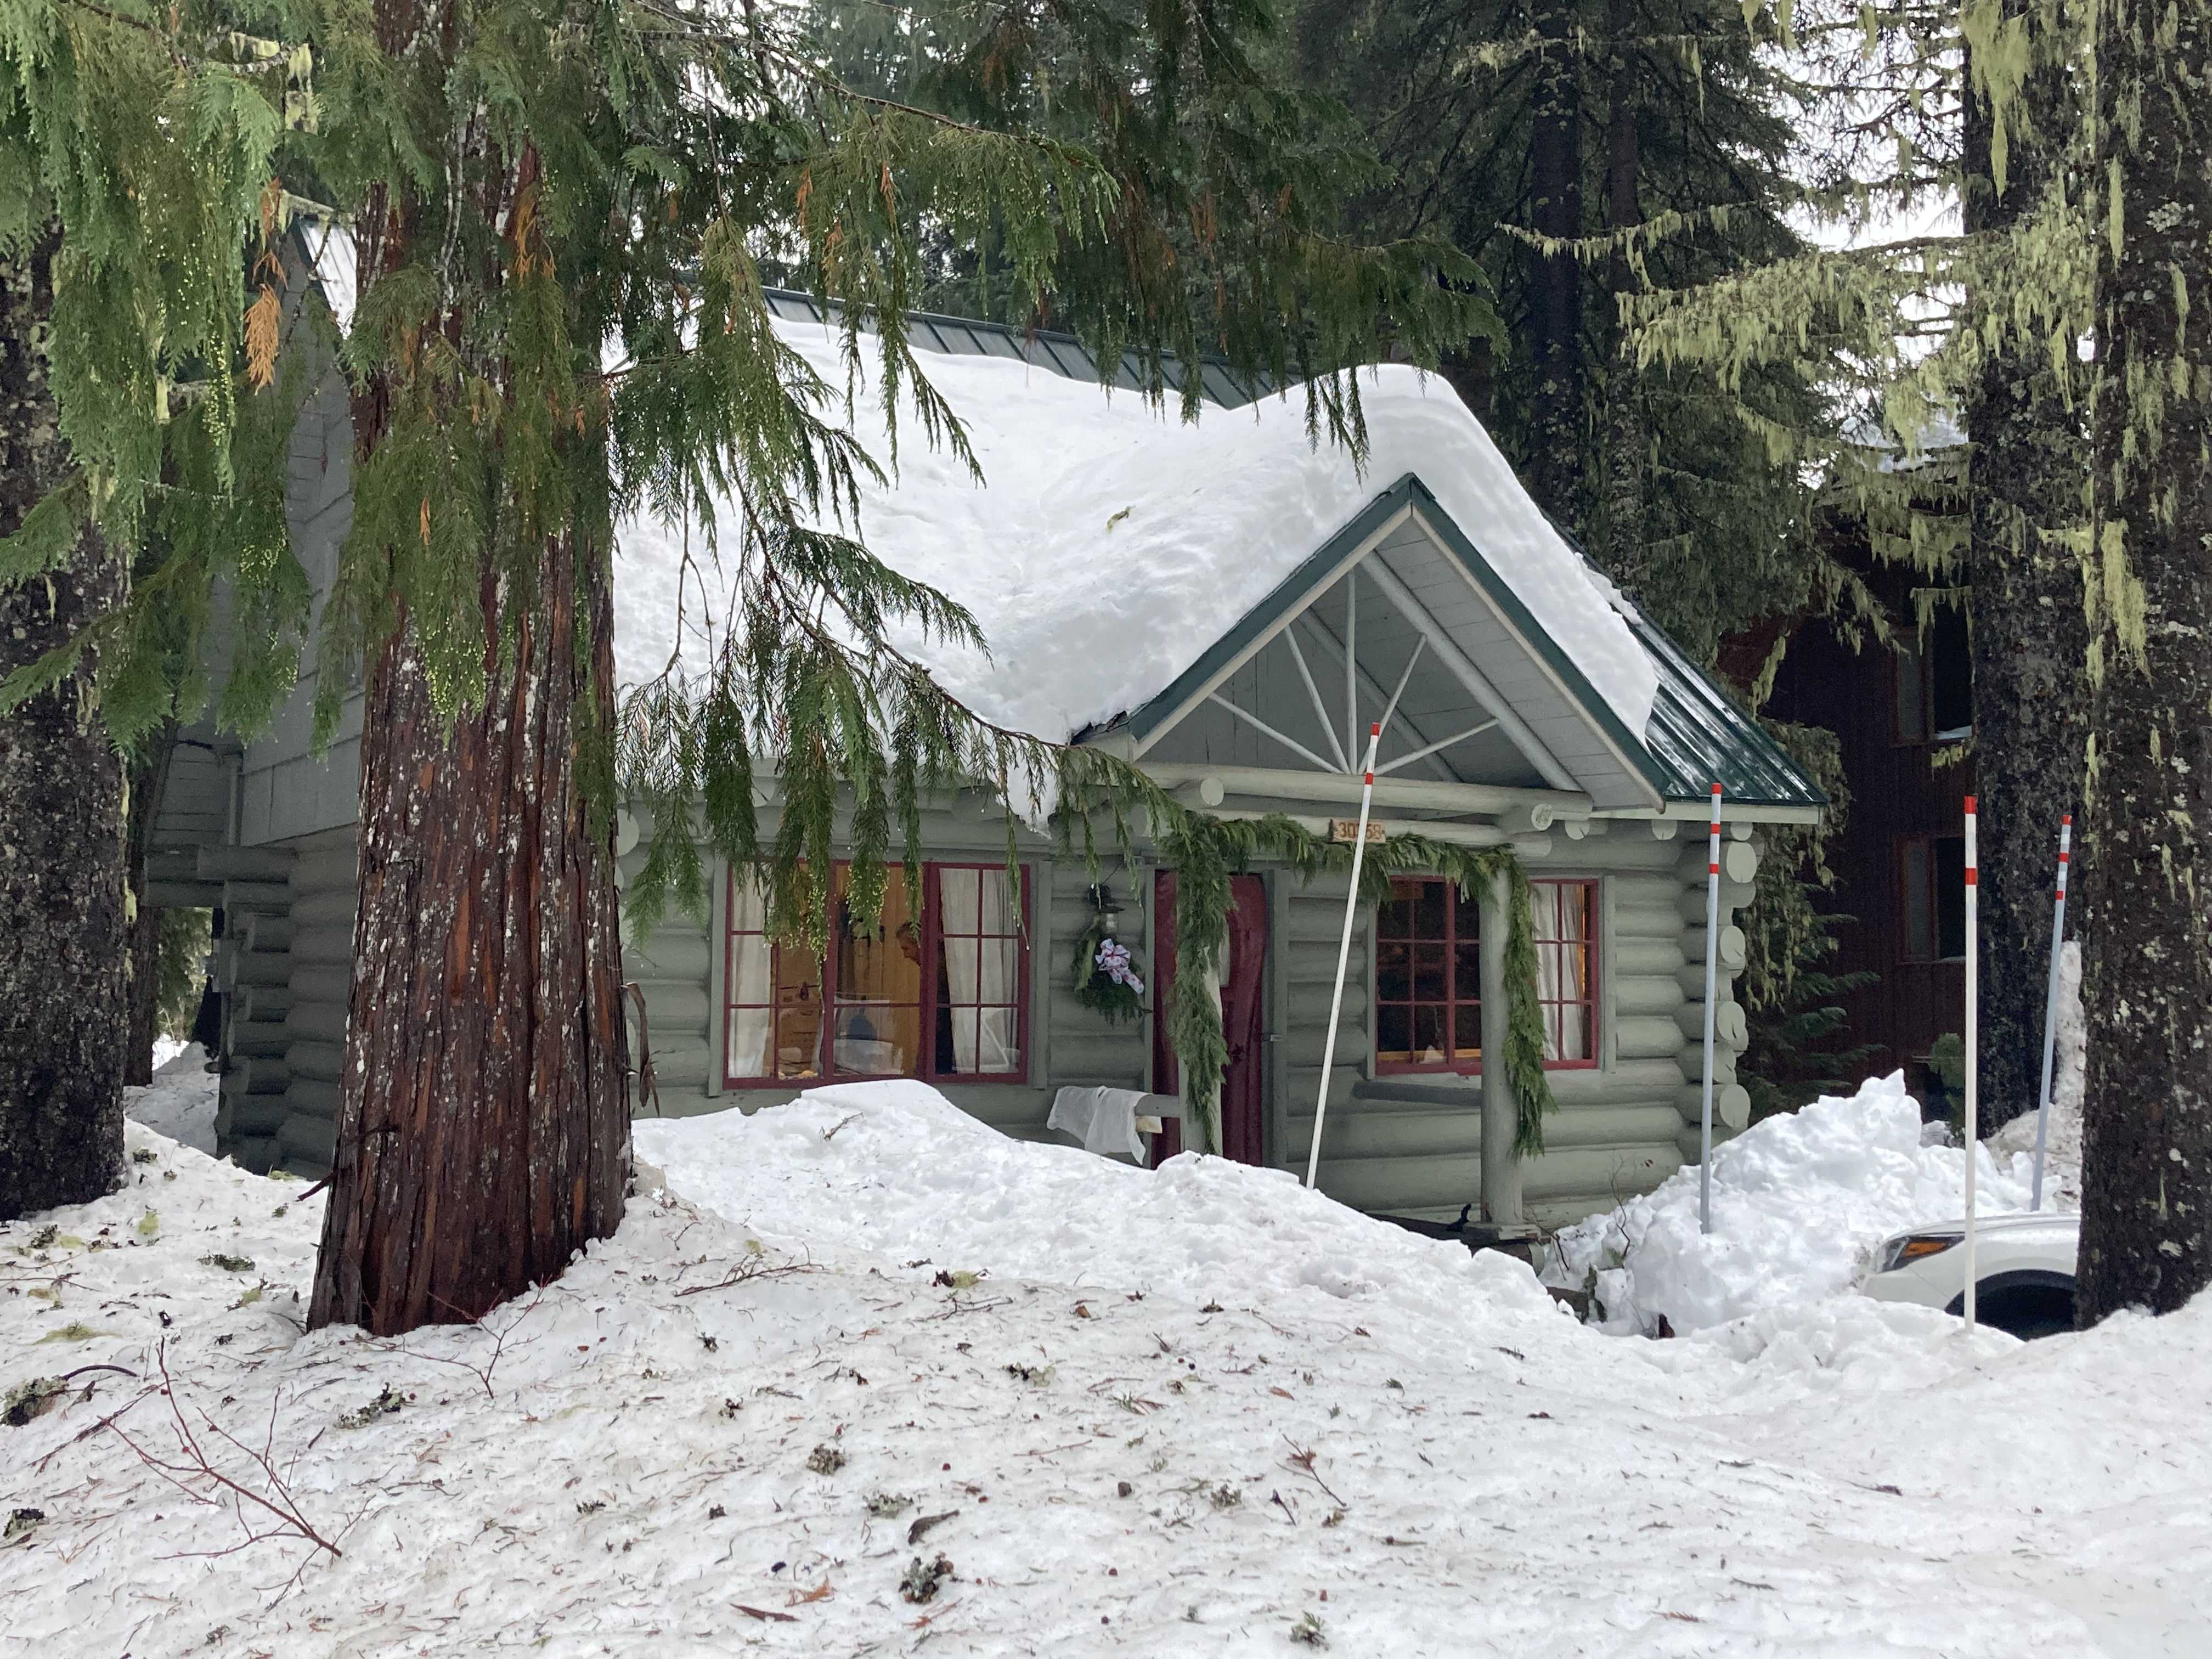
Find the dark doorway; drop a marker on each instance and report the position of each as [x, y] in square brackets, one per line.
[1243, 999]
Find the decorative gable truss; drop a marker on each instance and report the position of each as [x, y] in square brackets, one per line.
[1398, 618]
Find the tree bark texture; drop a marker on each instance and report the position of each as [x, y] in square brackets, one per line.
[1625, 437]
[484, 1127]
[62, 1018]
[2147, 983]
[484, 1130]
[1554, 463]
[2029, 634]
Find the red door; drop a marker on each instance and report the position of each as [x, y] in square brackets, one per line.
[1243, 1014]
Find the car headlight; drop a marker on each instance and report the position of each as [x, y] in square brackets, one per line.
[1911, 1246]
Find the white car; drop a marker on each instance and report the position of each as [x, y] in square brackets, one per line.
[2023, 1270]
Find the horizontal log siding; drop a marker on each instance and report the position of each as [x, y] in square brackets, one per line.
[1411, 1144]
[1069, 1044]
[321, 959]
[1405, 1146]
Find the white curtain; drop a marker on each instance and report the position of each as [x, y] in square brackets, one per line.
[749, 988]
[1563, 968]
[981, 970]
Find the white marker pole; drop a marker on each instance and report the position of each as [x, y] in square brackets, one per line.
[1712, 987]
[1973, 1036]
[1343, 953]
[2051, 1009]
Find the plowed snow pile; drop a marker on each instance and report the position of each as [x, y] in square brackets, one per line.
[881, 1380]
[1798, 1199]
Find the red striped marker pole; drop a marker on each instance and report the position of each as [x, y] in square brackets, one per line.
[2050, 1008]
[1973, 1136]
[1344, 953]
[1713, 984]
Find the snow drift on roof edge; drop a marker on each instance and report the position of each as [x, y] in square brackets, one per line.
[1111, 545]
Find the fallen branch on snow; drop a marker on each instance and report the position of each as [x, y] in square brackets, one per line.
[192, 1472]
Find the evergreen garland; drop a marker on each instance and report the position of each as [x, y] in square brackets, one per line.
[1207, 852]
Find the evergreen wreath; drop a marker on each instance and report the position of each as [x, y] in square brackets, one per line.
[1105, 981]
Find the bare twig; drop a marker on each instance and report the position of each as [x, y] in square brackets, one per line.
[193, 1465]
[1301, 1462]
[752, 1268]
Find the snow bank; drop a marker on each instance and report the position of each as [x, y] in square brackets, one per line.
[895, 1167]
[1797, 1199]
[1111, 545]
[1182, 1415]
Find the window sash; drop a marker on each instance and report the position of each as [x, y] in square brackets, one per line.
[1566, 919]
[792, 1020]
[1441, 974]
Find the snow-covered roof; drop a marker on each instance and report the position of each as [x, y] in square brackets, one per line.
[1110, 544]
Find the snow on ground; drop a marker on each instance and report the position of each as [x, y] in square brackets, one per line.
[180, 1101]
[1797, 1200]
[1167, 1414]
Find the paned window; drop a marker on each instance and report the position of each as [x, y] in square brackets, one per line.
[936, 989]
[1932, 875]
[1565, 913]
[1428, 979]
[1936, 682]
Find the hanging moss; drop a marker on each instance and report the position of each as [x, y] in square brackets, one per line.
[1207, 852]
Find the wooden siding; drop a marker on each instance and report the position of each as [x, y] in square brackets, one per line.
[1411, 1144]
[1895, 794]
[1407, 1144]
[292, 970]
[1069, 1044]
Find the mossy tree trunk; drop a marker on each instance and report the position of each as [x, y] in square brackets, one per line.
[2147, 983]
[2029, 634]
[1625, 438]
[64, 1022]
[1554, 466]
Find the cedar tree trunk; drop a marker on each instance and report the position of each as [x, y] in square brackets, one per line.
[2029, 634]
[2147, 984]
[484, 1130]
[1554, 467]
[484, 1126]
[1625, 435]
[63, 1024]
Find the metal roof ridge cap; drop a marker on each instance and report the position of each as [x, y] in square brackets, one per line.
[1516, 614]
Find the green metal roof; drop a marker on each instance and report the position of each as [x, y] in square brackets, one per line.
[1696, 735]
[1061, 354]
[1699, 737]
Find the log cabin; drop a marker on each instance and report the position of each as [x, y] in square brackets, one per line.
[1230, 606]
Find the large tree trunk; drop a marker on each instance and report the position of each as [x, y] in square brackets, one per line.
[63, 1018]
[484, 1127]
[2146, 1232]
[2029, 634]
[484, 1132]
[1626, 439]
[1556, 446]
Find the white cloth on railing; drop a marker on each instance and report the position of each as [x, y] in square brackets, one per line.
[1104, 1119]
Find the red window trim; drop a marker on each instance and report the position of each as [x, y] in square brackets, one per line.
[931, 939]
[1454, 1065]
[1593, 912]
